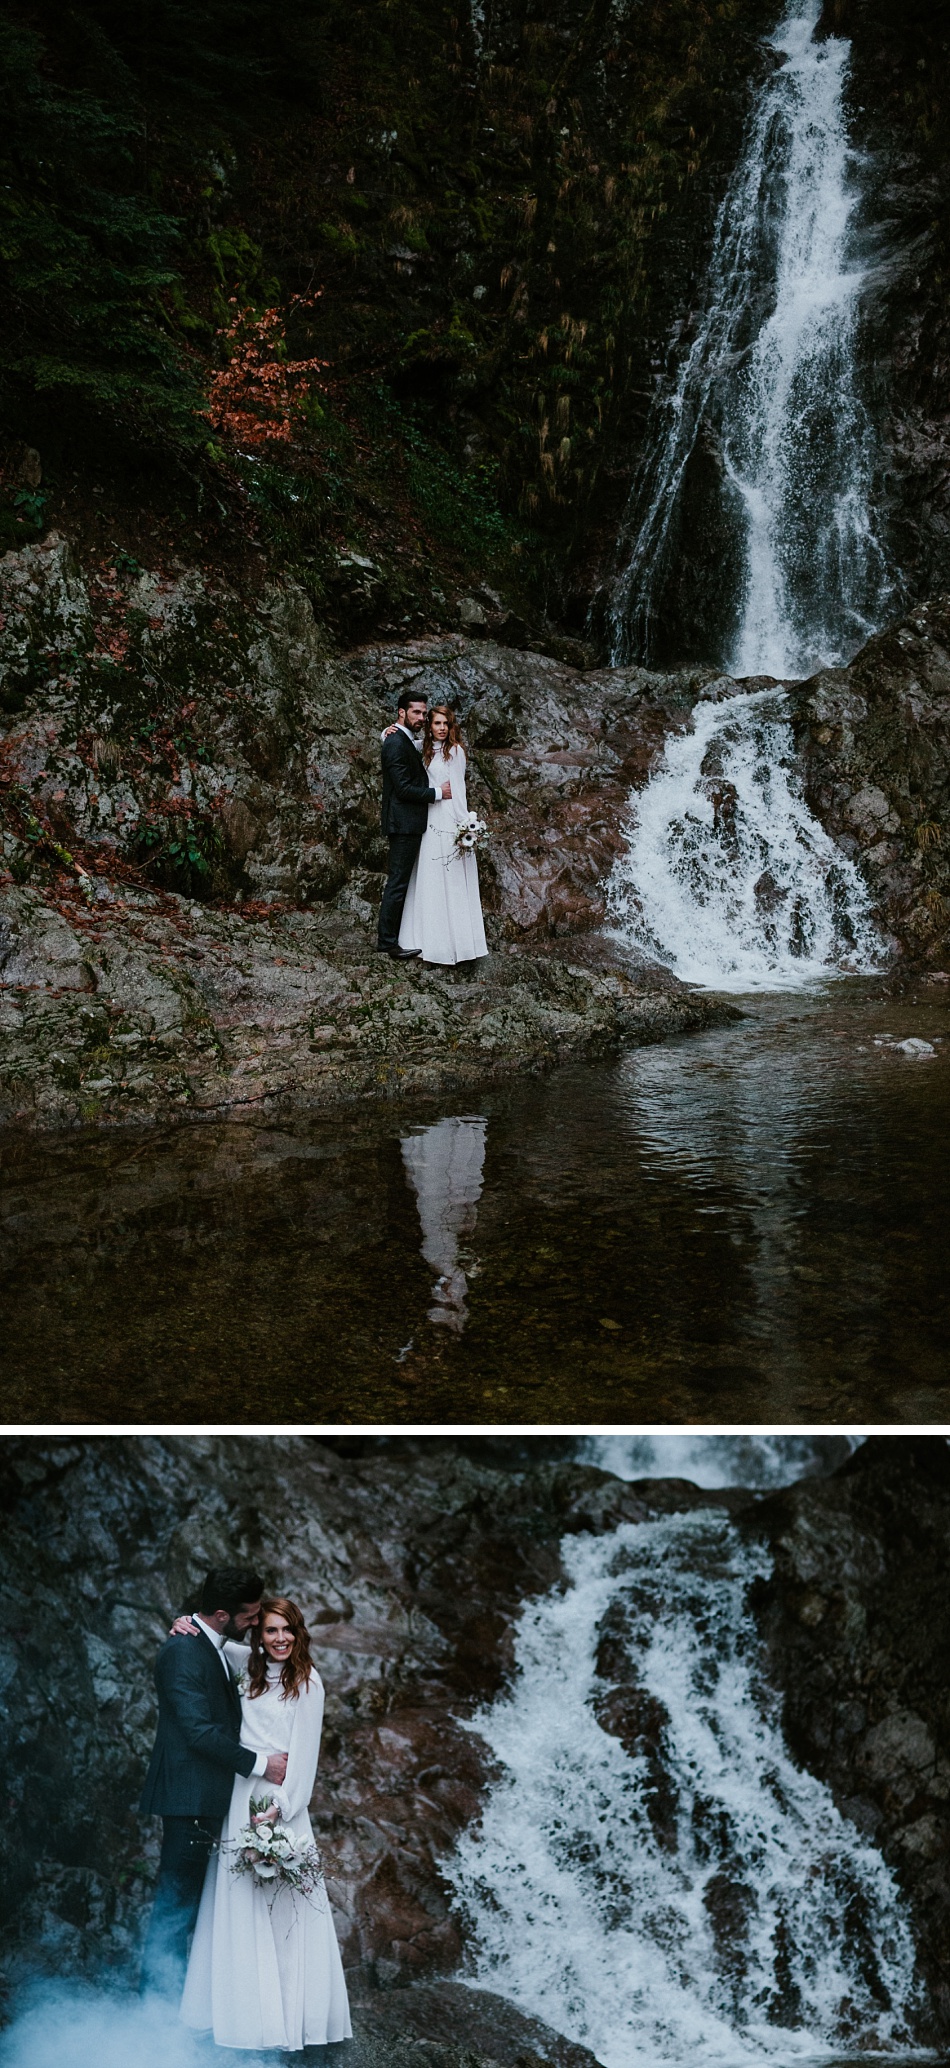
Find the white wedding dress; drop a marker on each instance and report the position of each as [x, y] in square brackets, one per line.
[266, 1971]
[442, 915]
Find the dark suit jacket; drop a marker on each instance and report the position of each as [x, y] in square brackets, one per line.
[407, 791]
[197, 1750]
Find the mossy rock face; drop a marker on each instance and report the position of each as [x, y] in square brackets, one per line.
[217, 747]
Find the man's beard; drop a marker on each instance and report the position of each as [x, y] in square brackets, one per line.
[235, 1635]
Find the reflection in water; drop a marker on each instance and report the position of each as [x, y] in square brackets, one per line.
[444, 1165]
[752, 1133]
[750, 1226]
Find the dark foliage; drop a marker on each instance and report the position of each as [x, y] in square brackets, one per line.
[500, 239]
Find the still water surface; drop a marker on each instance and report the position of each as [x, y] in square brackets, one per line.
[748, 1225]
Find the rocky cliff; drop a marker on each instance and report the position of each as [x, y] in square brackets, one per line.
[411, 1559]
[856, 1622]
[192, 863]
[875, 742]
[898, 107]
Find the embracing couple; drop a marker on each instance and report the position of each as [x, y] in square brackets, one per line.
[431, 905]
[240, 1711]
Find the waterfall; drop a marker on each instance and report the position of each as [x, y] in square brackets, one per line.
[691, 1894]
[727, 878]
[769, 388]
[743, 1459]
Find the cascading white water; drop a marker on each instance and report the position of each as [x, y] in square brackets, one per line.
[738, 1460]
[727, 878]
[770, 384]
[697, 1898]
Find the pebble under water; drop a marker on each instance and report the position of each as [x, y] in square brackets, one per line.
[748, 1225]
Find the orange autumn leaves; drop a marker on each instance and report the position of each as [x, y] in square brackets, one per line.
[260, 396]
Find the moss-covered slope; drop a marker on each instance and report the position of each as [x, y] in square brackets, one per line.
[482, 222]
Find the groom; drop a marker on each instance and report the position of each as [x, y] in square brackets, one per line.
[407, 795]
[196, 1755]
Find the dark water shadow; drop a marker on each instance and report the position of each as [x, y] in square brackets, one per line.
[749, 1225]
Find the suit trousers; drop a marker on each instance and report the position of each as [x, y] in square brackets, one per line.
[403, 849]
[186, 1848]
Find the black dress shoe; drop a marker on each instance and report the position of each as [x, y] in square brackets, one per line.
[405, 954]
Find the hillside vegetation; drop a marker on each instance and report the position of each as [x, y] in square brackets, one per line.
[468, 232]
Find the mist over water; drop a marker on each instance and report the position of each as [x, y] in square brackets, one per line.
[82, 2027]
[771, 385]
[695, 1896]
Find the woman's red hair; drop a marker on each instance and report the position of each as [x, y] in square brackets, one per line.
[296, 1670]
[453, 737]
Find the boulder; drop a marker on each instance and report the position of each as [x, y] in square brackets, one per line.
[875, 744]
[857, 1627]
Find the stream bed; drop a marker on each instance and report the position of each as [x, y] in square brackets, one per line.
[747, 1225]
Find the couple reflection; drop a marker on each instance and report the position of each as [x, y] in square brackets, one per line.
[444, 1166]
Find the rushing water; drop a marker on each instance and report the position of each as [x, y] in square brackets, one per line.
[652, 1875]
[716, 1461]
[770, 385]
[746, 1226]
[727, 878]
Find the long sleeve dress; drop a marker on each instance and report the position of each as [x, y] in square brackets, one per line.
[442, 915]
[265, 1970]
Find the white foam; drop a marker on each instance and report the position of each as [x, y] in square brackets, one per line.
[753, 1461]
[589, 1914]
[771, 383]
[727, 878]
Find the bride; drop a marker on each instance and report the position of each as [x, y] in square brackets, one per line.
[442, 915]
[265, 1969]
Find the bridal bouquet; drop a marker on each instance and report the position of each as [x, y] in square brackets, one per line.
[472, 832]
[275, 1858]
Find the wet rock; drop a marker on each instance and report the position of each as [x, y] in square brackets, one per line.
[25, 465]
[444, 2017]
[162, 725]
[555, 752]
[875, 742]
[857, 1625]
[241, 1015]
[171, 697]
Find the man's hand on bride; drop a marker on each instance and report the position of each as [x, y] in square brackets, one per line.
[276, 1767]
[446, 790]
[183, 1626]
